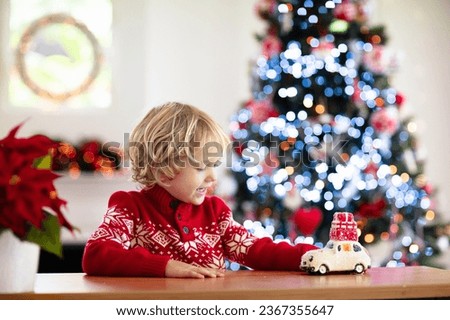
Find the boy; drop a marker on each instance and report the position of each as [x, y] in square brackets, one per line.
[171, 227]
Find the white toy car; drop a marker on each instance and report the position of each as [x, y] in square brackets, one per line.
[337, 256]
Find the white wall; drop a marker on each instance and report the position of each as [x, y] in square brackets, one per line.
[419, 32]
[199, 52]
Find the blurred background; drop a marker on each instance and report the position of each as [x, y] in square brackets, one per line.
[133, 55]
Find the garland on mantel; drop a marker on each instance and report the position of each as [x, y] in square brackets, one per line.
[91, 156]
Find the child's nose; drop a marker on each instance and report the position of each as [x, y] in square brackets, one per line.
[210, 174]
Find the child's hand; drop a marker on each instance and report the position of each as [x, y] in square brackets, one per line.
[178, 269]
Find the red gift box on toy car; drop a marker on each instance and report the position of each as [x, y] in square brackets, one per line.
[343, 227]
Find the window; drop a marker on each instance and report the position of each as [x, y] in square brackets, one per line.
[59, 54]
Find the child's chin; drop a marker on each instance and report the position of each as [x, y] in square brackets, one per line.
[198, 200]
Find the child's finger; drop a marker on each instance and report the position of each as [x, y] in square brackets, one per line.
[211, 273]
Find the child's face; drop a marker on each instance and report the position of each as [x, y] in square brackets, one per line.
[191, 184]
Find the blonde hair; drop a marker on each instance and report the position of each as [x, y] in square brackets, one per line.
[166, 137]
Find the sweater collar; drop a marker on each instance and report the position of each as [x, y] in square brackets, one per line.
[164, 200]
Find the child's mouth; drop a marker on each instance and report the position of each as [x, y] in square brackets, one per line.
[201, 190]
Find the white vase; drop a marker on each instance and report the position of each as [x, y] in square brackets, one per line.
[18, 263]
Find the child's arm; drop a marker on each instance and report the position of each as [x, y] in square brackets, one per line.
[110, 258]
[260, 253]
[267, 255]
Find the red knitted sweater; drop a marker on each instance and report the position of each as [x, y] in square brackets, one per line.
[142, 230]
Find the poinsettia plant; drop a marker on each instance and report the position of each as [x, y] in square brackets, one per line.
[29, 203]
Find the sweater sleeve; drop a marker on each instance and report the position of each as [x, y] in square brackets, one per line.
[259, 253]
[109, 250]
[265, 254]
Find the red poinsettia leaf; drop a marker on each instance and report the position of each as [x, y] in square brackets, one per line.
[11, 135]
[11, 141]
[33, 190]
[62, 220]
[26, 187]
[23, 151]
[32, 148]
[27, 207]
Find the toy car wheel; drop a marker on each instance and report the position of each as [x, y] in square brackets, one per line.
[359, 268]
[323, 269]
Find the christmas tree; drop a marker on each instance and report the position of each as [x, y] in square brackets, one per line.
[323, 133]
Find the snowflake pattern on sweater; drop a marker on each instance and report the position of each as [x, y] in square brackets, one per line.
[206, 250]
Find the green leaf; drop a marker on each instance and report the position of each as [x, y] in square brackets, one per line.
[44, 162]
[48, 237]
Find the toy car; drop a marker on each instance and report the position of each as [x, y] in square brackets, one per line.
[337, 256]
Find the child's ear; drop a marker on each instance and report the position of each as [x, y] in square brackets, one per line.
[162, 179]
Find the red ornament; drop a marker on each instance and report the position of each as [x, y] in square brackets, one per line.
[399, 99]
[261, 110]
[356, 96]
[428, 188]
[372, 168]
[343, 227]
[372, 209]
[238, 148]
[323, 50]
[270, 163]
[385, 121]
[346, 11]
[307, 220]
[271, 45]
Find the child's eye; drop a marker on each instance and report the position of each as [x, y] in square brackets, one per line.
[210, 165]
